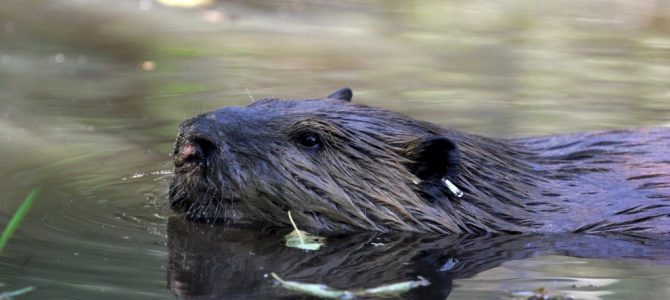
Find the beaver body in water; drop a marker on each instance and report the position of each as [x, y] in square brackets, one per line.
[340, 166]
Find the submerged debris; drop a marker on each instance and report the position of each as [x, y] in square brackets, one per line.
[540, 294]
[313, 289]
[326, 292]
[450, 264]
[393, 289]
[11, 294]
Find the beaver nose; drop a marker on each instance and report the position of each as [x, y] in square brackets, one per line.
[194, 150]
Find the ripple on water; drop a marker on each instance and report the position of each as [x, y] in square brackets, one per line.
[93, 232]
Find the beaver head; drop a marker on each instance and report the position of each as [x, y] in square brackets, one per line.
[340, 166]
[334, 164]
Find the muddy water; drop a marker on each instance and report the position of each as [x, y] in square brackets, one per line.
[91, 93]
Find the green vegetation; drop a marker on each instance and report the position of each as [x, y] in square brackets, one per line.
[18, 217]
[301, 239]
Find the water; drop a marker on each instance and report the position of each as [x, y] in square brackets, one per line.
[91, 93]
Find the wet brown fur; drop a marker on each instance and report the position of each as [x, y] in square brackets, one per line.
[360, 178]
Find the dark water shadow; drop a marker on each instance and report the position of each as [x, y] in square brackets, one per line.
[209, 262]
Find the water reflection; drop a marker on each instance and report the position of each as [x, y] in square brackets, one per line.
[209, 262]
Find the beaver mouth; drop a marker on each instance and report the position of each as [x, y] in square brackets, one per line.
[198, 198]
[220, 211]
[190, 169]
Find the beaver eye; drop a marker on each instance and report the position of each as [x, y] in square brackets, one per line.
[309, 140]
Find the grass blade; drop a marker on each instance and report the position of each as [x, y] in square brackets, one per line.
[18, 217]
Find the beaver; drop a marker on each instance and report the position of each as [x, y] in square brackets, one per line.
[340, 167]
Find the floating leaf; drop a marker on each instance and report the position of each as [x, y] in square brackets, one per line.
[18, 217]
[326, 292]
[301, 239]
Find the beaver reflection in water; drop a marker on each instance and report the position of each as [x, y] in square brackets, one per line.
[339, 166]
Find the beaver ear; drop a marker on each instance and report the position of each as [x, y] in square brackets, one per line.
[342, 94]
[434, 160]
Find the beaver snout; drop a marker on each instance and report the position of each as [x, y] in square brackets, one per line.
[195, 151]
[192, 152]
[195, 143]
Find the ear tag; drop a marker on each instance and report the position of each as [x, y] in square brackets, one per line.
[452, 187]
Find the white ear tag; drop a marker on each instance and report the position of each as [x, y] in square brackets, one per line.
[452, 188]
